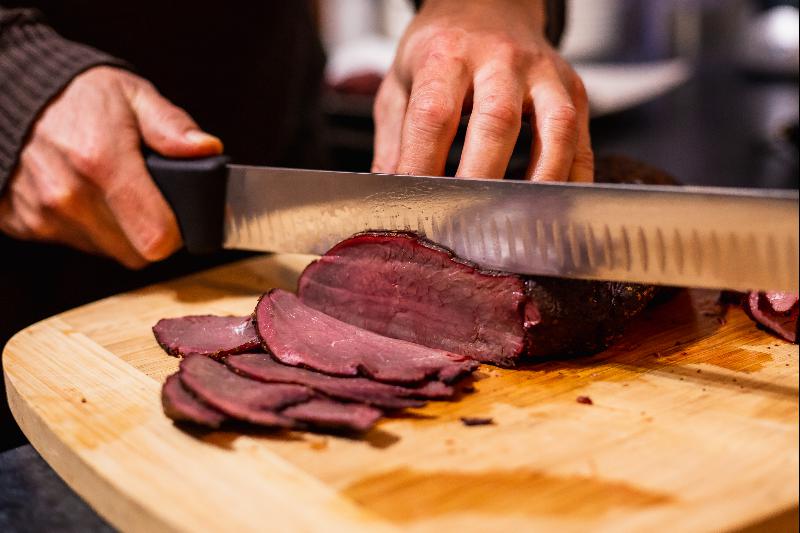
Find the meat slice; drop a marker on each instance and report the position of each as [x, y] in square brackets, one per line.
[264, 368]
[207, 335]
[301, 336]
[404, 286]
[182, 406]
[238, 397]
[328, 414]
[776, 311]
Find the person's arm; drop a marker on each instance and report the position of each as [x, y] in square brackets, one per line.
[72, 123]
[495, 58]
[35, 65]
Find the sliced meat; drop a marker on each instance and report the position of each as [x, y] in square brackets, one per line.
[776, 311]
[403, 286]
[207, 335]
[182, 406]
[301, 336]
[265, 404]
[328, 414]
[406, 287]
[238, 397]
[264, 368]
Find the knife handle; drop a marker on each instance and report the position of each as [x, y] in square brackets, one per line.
[195, 190]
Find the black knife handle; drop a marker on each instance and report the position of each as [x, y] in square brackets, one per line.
[195, 190]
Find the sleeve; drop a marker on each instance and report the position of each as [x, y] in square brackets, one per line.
[555, 11]
[35, 65]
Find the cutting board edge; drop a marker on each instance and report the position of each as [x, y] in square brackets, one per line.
[75, 471]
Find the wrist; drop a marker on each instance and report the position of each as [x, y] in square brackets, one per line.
[530, 13]
[542, 17]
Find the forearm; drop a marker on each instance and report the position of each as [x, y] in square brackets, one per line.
[35, 65]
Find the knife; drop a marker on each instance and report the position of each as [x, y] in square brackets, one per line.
[722, 238]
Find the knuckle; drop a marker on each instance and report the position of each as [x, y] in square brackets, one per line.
[499, 114]
[563, 120]
[90, 159]
[59, 199]
[431, 111]
[158, 242]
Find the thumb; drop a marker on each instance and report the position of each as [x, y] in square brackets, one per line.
[168, 129]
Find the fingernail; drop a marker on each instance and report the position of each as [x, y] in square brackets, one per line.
[201, 137]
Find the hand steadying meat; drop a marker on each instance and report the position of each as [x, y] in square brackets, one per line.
[82, 180]
[492, 56]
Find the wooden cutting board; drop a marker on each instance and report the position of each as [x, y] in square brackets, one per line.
[694, 427]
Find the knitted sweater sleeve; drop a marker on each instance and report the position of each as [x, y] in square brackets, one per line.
[36, 63]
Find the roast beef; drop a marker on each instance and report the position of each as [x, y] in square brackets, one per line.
[182, 406]
[206, 334]
[207, 393]
[264, 368]
[776, 311]
[298, 335]
[238, 397]
[403, 286]
[327, 414]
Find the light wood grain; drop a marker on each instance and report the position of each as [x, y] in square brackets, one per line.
[694, 427]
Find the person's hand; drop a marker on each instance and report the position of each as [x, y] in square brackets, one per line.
[82, 180]
[490, 56]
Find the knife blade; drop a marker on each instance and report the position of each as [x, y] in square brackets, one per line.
[722, 238]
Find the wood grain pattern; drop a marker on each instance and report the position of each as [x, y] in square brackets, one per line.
[694, 427]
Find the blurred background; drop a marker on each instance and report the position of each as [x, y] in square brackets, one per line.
[706, 89]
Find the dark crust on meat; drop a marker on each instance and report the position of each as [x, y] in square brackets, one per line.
[581, 317]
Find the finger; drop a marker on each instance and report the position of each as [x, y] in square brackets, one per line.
[140, 209]
[432, 117]
[168, 129]
[389, 110]
[583, 164]
[494, 125]
[556, 135]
